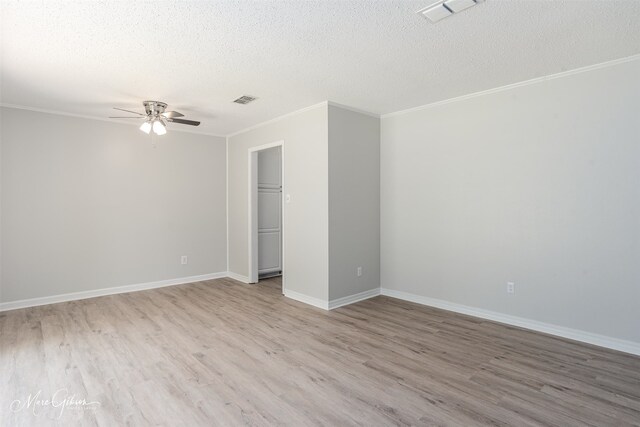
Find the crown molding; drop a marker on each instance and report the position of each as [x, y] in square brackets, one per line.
[355, 110]
[277, 119]
[516, 85]
[302, 110]
[102, 119]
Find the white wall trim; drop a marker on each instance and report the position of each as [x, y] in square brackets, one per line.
[238, 277]
[355, 110]
[350, 299]
[330, 305]
[102, 119]
[516, 85]
[53, 299]
[276, 119]
[316, 302]
[534, 325]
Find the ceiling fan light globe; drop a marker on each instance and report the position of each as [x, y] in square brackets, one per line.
[146, 127]
[159, 128]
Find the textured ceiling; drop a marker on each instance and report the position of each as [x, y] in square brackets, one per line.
[82, 57]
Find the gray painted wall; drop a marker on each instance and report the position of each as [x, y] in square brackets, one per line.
[89, 204]
[306, 220]
[538, 185]
[354, 202]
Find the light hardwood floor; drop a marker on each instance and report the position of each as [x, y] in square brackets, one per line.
[224, 353]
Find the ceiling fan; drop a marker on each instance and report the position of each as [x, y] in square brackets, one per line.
[156, 117]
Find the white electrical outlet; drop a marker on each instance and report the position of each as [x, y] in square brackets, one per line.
[359, 271]
[511, 288]
[184, 260]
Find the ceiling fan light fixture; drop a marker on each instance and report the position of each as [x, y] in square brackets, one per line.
[146, 127]
[159, 128]
[156, 117]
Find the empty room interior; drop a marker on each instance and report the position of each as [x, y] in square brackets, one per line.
[320, 213]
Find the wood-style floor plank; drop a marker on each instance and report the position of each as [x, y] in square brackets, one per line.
[224, 353]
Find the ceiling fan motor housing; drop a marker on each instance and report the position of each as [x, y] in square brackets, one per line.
[154, 108]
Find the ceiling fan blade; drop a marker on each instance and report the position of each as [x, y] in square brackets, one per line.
[172, 114]
[129, 111]
[184, 122]
[112, 117]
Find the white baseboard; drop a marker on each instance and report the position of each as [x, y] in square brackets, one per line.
[534, 325]
[330, 305]
[238, 277]
[316, 302]
[350, 299]
[53, 299]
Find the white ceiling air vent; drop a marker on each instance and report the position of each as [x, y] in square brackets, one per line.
[435, 12]
[459, 5]
[446, 8]
[245, 99]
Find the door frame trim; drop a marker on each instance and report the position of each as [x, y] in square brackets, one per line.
[252, 209]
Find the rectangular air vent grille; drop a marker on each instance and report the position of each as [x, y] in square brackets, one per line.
[245, 99]
[445, 8]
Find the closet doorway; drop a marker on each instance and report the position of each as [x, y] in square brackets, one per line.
[266, 212]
